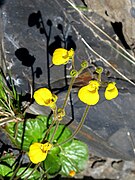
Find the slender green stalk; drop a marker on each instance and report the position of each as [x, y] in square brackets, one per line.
[16, 130]
[55, 130]
[37, 165]
[79, 126]
[15, 172]
[69, 90]
[53, 122]
[47, 132]
[23, 172]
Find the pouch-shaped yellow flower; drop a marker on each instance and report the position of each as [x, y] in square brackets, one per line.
[89, 94]
[38, 152]
[43, 96]
[62, 56]
[111, 91]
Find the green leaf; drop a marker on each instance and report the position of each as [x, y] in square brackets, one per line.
[52, 164]
[6, 166]
[5, 170]
[61, 134]
[74, 157]
[33, 130]
[35, 175]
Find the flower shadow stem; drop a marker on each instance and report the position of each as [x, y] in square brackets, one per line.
[79, 126]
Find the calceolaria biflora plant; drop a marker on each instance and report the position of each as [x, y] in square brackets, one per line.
[49, 145]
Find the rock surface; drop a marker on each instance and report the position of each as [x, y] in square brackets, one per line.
[117, 12]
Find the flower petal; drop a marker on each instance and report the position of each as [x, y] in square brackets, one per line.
[62, 56]
[111, 91]
[87, 96]
[43, 96]
[38, 152]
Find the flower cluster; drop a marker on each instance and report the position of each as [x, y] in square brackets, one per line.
[38, 152]
[89, 94]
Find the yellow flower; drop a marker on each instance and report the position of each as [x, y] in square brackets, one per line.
[43, 96]
[72, 173]
[62, 56]
[38, 152]
[89, 94]
[111, 91]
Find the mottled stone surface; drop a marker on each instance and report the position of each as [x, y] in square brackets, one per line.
[32, 30]
[117, 11]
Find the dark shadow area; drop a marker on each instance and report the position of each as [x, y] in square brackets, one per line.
[55, 44]
[2, 2]
[23, 55]
[35, 19]
[83, 1]
[28, 60]
[38, 72]
[70, 43]
[117, 27]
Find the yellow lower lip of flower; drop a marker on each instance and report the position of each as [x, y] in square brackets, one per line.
[38, 152]
[88, 97]
[62, 56]
[44, 97]
[111, 91]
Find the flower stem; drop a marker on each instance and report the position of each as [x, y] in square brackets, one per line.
[53, 122]
[36, 166]
[23, 171]
[56, 128]
[79, 126]
[16, 170]
[69, 90]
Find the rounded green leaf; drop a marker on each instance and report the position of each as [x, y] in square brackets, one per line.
[74, 157]
[28, 132]
[5, 170]
[6, 166]
[52, 164]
